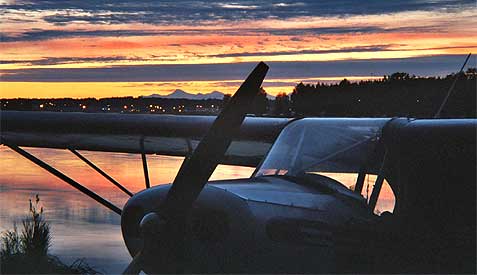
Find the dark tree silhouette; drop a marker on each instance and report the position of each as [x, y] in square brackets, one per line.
[396, 95]
[226, 99]
[260, 103]
[281, 105]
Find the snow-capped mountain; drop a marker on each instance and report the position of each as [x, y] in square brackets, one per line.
[180, 94]
[185, 95]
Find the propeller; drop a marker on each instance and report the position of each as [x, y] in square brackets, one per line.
[163, 230]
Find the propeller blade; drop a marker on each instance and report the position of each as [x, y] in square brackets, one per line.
[196, 170]
[163, 231]
[135, 266]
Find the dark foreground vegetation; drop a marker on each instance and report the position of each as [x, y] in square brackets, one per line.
[26, 252]
[399, 94]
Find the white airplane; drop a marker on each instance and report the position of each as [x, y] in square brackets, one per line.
[287, 217]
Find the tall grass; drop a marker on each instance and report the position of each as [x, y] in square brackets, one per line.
[26, 252]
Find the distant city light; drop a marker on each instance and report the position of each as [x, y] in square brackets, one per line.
[41, 105]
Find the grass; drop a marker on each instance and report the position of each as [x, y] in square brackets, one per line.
[26, 252]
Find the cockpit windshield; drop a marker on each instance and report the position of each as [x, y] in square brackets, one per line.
[313, 145]
[316, 149]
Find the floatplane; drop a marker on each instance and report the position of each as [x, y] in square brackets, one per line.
[289, 216]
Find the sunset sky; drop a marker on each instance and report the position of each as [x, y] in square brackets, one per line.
[117, 48]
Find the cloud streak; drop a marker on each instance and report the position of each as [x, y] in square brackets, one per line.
[113, 59]
[39, 35]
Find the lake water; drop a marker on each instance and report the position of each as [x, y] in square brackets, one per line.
[82, 228]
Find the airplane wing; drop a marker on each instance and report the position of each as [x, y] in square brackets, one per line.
[135, 133]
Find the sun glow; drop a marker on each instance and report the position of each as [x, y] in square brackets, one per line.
[120, 89]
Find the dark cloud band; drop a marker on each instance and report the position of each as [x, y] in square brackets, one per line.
[190, 12]
[432, 65]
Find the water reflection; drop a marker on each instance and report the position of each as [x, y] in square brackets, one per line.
[82, 228]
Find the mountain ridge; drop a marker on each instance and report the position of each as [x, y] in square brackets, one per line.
[181, 94]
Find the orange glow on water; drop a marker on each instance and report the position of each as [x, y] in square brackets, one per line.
[125, 168]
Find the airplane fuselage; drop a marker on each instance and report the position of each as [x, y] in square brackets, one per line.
[265, 225]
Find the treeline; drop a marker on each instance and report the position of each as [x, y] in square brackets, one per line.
[399, 94]
[115, 105]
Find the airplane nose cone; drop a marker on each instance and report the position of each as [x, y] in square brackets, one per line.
[139, 216]
[151, 223]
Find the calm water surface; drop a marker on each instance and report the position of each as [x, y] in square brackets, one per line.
[81, 227]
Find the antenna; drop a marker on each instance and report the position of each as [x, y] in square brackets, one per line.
[438, 114]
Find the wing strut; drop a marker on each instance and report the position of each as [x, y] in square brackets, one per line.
[104, 174]
[438, 113]
[358, 187]
[65, 178]
[378, 184]
[144, 164]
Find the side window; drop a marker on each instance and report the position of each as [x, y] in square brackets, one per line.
[386, 199]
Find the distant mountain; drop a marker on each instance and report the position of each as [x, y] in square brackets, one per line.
[180, 94]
